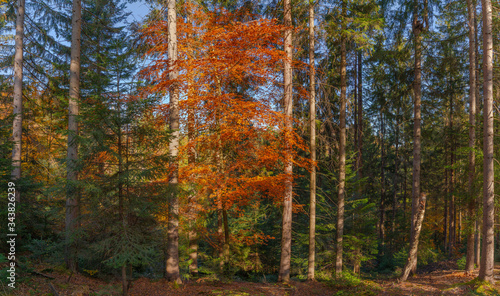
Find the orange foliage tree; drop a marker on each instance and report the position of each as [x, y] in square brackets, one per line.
[230, 80]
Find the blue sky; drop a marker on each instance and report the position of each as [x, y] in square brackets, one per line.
[139, 10]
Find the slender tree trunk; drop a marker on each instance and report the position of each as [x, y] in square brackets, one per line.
[412, 254]
[417, 85]
[359, 160]
[341, 193]
[220, 235]
[477, 238]
[193, 200]
[452, 207]
[192, 234]
[226, 235]
[72, 198]
[172, 260]
[286, 238]
[381, 233]
[396, 177]
[17, 126]
[487, 259]
[312, 126]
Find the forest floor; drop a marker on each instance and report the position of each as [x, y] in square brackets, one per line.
[440, 279]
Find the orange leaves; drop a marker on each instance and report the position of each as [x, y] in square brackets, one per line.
[230, 83]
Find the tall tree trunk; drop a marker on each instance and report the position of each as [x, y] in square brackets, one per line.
[487, 258]
[172, 260]
[381, 233]
[72, 197]
[417, 85]
[341, 193]
[286, 238]
[312, 126]
[412, 254]
[477, 235]
[396, 177]
[359, 160]
[469, 261]
[193, 200]
[452, 206]
[192, 234]
[17, 126]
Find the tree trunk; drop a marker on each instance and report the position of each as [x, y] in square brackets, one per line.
[312, 126]
[72, 197]
[172, 260]
[487, 259]
[417, 85]
[286, 238]
[17, 126]
[477, 238]
[341, 193]
[452, 207]
[412, 254]
[359, 160]
[381, 233]
[193, 200]
[396, 177]
[220, 235]
[226, 236]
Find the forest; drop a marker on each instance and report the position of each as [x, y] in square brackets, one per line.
[249, 147]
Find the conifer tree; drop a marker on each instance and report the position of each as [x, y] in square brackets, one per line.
[72, 198]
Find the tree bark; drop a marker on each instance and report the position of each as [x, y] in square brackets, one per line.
[469, 261]
[312, 126]
[412, 254]
[286, 238]
[17, 125]
[341, 192]
[487, 258]
[417, 85]
[381, 233]
[359, 160]
[172, 260]
[72, 195]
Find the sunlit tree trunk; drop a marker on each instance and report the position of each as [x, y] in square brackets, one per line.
[172, 264]
[469, 262]
[412, 254]
[286, 238]
[312, 126]
[417, 85]
[341, 192]
[72, 198]
[17, 126]
[487, 258]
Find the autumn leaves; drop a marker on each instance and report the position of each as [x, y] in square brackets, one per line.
[233, 134]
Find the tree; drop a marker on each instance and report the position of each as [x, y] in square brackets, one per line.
[286, 239]
[312, 126]
[227, 69]
[172, 264]
[418, 28]
[469, 265]
[72, 198]
[342, 145]
[487, 258]
[17, 127]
